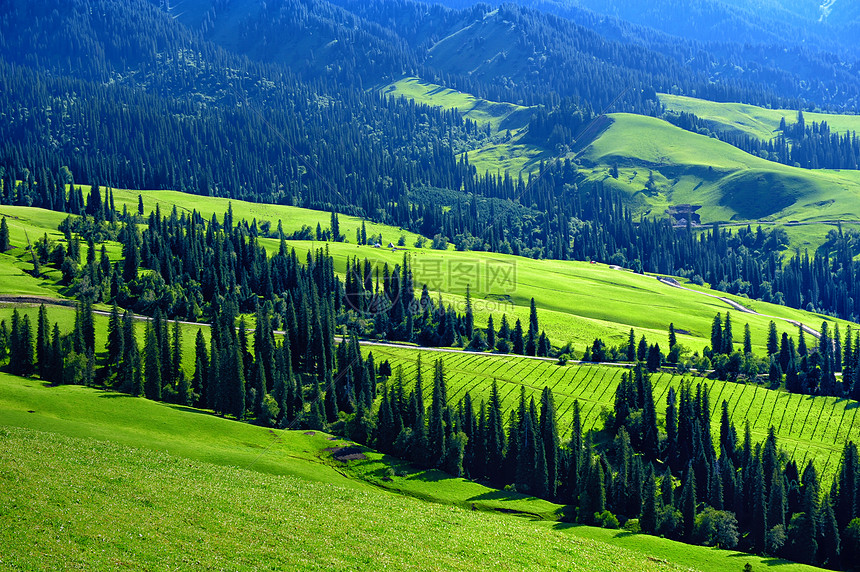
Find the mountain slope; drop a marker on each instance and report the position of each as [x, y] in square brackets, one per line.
[728, 183]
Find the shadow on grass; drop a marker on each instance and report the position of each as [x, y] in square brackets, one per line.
[431, 476]
[766, 560]
[187, 409]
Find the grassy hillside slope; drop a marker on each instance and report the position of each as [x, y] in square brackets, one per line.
[576, 301]
[753, 120]
[132, 484]
[808, 427]
[564, 291]
[150, 511]
[729, 183]
[495, 153]
[499, 115]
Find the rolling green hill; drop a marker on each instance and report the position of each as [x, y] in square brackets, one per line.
[564, 291]
[498, 115]
[159, 487]
[751, 119]
[809, 428]
[729, 184]
[496, 153]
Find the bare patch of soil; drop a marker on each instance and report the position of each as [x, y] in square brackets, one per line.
[344, 454]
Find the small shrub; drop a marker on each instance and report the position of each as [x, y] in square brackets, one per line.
[632, 525]
[606, 519]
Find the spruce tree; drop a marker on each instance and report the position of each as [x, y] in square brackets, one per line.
[176, 360]
[201, 370]
[517, 340]
[549, 438]
[4, 235]
[531, 342]
[631, 345]
[747, 340]
[727, 337]
[772, 339]
[829, 534]
[648, 521]
[436, 425]
[43, 343]
[491, 335]
[152, 361]
[717, 334]
[672, 338]
[688, 503]
[495, 435]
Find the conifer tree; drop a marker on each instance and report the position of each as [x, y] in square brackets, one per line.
[549, 438]
[747, 340]
[178, 374]
[650, 433]
[829, 534]
[672, 338]
[727, 337]
[642, 349]
[667, 488]
[115, 340]
[772, 339]
[88, 327]
[4, 235]
[517, 340]
[594, 491]
[331, 406]
[201, 370]
[436, 426]
[531, 342]
[469, 319]
[43, 343]
[648, 522]
[776, 503]
[631, 345]
[717, 334]
[688, 503]
[152, 361]
[801, 342]
[491, 335]
[758, 489]
[575, 455]
[495, 435]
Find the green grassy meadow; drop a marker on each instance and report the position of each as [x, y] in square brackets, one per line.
[499, 115]
[577, 301]
[808, 427]
[753, 120]
[146, 485]
[728, 183]
[564, 291]
[497, 155]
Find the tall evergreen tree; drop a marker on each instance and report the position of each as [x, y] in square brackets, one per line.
[152, 367]
[4, 235]
[727, 337]
[772, 339]
[550, 441]
[717, 334]
[688, 503]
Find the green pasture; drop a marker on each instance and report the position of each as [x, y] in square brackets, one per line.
[815, 428]
[499, 115]
[577, 301]
[151, 486]
[728, 183]
[514, 158]
[292, 218]
[753, 120]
